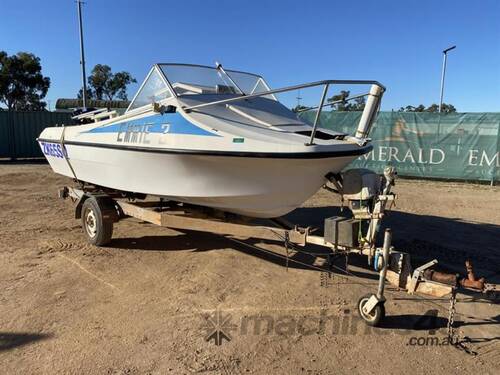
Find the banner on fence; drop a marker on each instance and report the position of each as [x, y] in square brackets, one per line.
[456, 145]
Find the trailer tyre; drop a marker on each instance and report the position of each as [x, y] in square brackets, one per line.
[377, 314]
[97, 226]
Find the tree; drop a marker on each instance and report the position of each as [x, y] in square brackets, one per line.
[118, 85]
[103, 83]
[343, 105]
[90, 94]
[22, 84]
[448, 108]
[433, 108]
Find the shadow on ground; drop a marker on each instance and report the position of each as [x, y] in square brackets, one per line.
[426, 322]
[13, 340]
[425, 237]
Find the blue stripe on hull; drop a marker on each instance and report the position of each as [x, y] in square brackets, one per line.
[165, 124]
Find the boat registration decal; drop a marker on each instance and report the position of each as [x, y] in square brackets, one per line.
[137, 131]
[53, 149]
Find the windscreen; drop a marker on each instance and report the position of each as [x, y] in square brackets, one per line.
[153, 90]
[195, 79]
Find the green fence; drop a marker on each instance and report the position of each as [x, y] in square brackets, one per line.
[19, 130]
[456, 146]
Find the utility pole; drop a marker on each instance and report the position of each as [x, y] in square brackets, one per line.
[443, 72]
[82, 55]
[298, 98]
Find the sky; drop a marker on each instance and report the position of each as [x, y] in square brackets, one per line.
[398, 43]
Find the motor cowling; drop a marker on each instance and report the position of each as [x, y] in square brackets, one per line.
[359, 188]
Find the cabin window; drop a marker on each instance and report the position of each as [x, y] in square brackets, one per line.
[153, 90]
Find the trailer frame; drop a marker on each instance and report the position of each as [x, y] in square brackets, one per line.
[99, 208]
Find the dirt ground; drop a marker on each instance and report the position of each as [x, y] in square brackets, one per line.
[148, 302]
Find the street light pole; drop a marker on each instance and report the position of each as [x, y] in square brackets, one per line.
[445, 56]
[82, 55]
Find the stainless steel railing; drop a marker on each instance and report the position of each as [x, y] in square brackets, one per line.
[371, 107]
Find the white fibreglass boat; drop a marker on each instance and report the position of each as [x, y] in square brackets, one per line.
[210, 137]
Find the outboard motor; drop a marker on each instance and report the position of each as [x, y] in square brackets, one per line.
[360, 187]
[367, 194]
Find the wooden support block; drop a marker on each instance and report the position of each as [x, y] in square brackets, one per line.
[433, 289]
[140, 213]
[423, 287]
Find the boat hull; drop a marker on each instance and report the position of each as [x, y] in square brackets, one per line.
[252, 186]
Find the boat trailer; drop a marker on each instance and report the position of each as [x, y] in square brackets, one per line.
[367, 195]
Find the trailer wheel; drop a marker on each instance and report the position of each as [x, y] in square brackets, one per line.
[98, 228]
[376, 315]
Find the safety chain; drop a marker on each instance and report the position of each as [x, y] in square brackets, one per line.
[287, 245]
[452, 339]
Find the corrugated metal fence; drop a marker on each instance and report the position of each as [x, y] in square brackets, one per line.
[19, 130]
